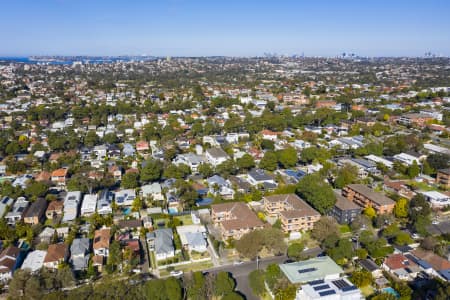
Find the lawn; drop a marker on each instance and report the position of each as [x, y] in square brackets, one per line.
[367, 290]
[189, 267]
[185, 219]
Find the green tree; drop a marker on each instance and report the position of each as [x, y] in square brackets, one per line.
[324, 228]
[246, 162]
[36, 189]
[256, 282]
[403, 238]
[130, 181]
[401, 208]
[347, 174]
[413, 170]
[311, 154]
[288, 157]
[295, 250]
[316, 192]
[152, 170]
[370, 212]
[223, 284]
[205, 170]
[91, 139]
[361, 278]
[267, 145]
[269, 161]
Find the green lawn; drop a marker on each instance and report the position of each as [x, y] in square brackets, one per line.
[189, 267]
[367, 290]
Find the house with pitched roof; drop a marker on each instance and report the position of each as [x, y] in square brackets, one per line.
[10, 260]
[101, 242]
[56, 255]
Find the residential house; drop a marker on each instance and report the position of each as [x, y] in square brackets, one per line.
[431, 263]
[270, 135]
[364, 196]
[36, 212]
[34, 261]
[193, 237]
[218, 185]
[153, 190]
[415, 119]
[294, 213]
[46, 235]
[142, 146]
[17, 211]
[10, 260]
[190, 159]
[163, 244]
[259, 177]
[5, 203]
[104, 202]
[443, 177]
[125, 197]
[80, 250]
[216, 156]
[71, 206]
[59, 177]
[344, 210]
[436, 199]
[54, 209]
[401, 266]
[364, 167]
[234, 219]
[407, 159]
[101, 242]
[371, 267]
[89, 204]
[132, 224]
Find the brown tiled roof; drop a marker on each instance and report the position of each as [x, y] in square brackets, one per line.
[298, 207]
[242, 216]
[438, 263]
[55, 252]
[367, 192]
[55, 205]
[130, 223]
[344, 204]
[101, 238]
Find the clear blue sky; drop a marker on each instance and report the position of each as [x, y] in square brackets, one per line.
[224, 27]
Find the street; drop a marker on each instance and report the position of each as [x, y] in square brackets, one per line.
[240, 273]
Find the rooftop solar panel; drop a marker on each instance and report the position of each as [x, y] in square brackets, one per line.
[349, 288]
[307, 270]
[321, 287]
[326, 293]
[340, 283]
[314, 282]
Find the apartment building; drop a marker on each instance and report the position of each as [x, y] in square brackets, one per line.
[294, 213]
[443, 177]
[364, 196]
[234, 219]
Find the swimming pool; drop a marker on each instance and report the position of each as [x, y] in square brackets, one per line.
[172, 210]
[391, 291]
[126, 211]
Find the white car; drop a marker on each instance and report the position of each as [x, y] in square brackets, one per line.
[238, 262]
[176, 273]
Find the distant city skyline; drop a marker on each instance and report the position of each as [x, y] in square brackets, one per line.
[224, 28]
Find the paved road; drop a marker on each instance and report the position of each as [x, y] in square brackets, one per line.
[240, 273]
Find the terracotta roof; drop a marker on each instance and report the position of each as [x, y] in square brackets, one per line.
[43, 176]
[101, 238]
[97, 260]
[438, 263]
[59, 173]
[55, 205]
[398, 261]
[56, 252]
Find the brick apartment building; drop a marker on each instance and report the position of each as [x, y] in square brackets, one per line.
[364, 196]
[294, 213]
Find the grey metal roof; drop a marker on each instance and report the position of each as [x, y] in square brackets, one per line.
[164, 241]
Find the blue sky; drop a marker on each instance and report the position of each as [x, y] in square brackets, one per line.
[224, 27]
